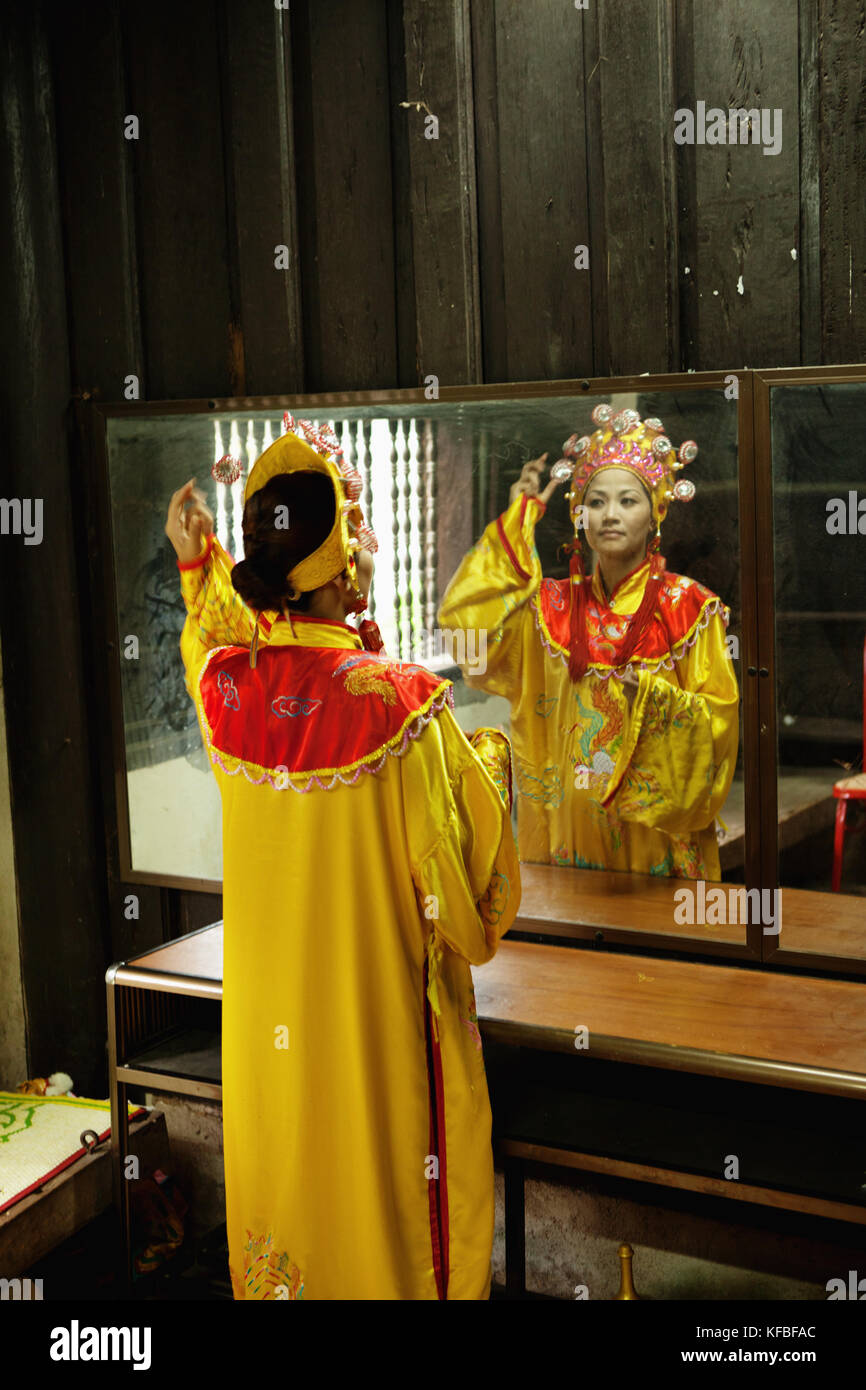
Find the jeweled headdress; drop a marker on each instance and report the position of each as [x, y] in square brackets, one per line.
[623, 440]
[305, 447]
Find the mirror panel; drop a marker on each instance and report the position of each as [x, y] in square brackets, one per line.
[819, 524]
[700, 541]
[435, 475]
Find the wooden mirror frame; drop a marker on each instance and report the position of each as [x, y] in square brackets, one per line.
[554, 909]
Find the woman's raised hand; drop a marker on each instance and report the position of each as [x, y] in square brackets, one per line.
[530, 482]
[185, 526]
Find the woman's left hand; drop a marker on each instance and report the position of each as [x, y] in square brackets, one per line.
[630, 684]
[186, 529]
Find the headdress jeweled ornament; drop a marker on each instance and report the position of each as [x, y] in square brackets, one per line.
[624, 440]
[227, 470]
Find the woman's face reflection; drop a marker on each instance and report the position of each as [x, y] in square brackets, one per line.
[618, 515]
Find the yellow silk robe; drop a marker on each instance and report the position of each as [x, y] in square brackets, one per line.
[356, 1116]
[600, 786]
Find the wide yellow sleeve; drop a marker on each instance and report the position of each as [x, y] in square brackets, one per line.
[462, 852]
[216, 616]
[487, 602]
[677, 761]
[493, 747]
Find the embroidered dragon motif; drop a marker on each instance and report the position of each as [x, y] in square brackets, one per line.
[369, 681]
[612, 709]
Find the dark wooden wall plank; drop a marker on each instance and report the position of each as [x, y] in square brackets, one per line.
[809, 256]
[404, 270]
[105, 345]
[174, 87]
[255, 62]
[491, 250]
[745, 202]
[340, 61]
[631, 192]
[685, 180]
[97, 201]
[841, 128]
[438, 62]
[541, 130]
[58, 863]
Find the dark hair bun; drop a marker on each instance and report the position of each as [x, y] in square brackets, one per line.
[254, 589]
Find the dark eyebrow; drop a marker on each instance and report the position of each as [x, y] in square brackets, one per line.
[603, 491]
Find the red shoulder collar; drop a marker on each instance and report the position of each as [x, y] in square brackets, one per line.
[312, 716]
[684, 607]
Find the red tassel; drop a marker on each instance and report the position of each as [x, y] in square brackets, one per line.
[638, 623]
[641, 620]
[371, 636]
[578, 657]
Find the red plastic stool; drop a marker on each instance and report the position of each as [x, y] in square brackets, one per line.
[845, 790]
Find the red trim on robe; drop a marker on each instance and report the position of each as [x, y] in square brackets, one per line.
[670, 623]
[520, 571]
[437, 1189]
[205, 555]
[309, 708]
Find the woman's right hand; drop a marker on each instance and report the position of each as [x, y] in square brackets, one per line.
[187, 529]
[530, 482]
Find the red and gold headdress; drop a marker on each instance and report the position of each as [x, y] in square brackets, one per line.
[305, 447]
[622, 440]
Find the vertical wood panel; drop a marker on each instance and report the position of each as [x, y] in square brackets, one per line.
[842, 137]
[96, 198]
[632, 195]
[810, 186]
[408, 373]
[687, 233]
[60, 883]
[179, 177]
[746, 203]
[541, 131]
[340, 55]
[105, 345]
[442, 191]
[255, 61]
[491, 251]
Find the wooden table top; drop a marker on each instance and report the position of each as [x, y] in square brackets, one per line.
[748, 1024]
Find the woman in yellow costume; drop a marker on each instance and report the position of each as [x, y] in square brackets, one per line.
[368, 859]
[624, 701]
